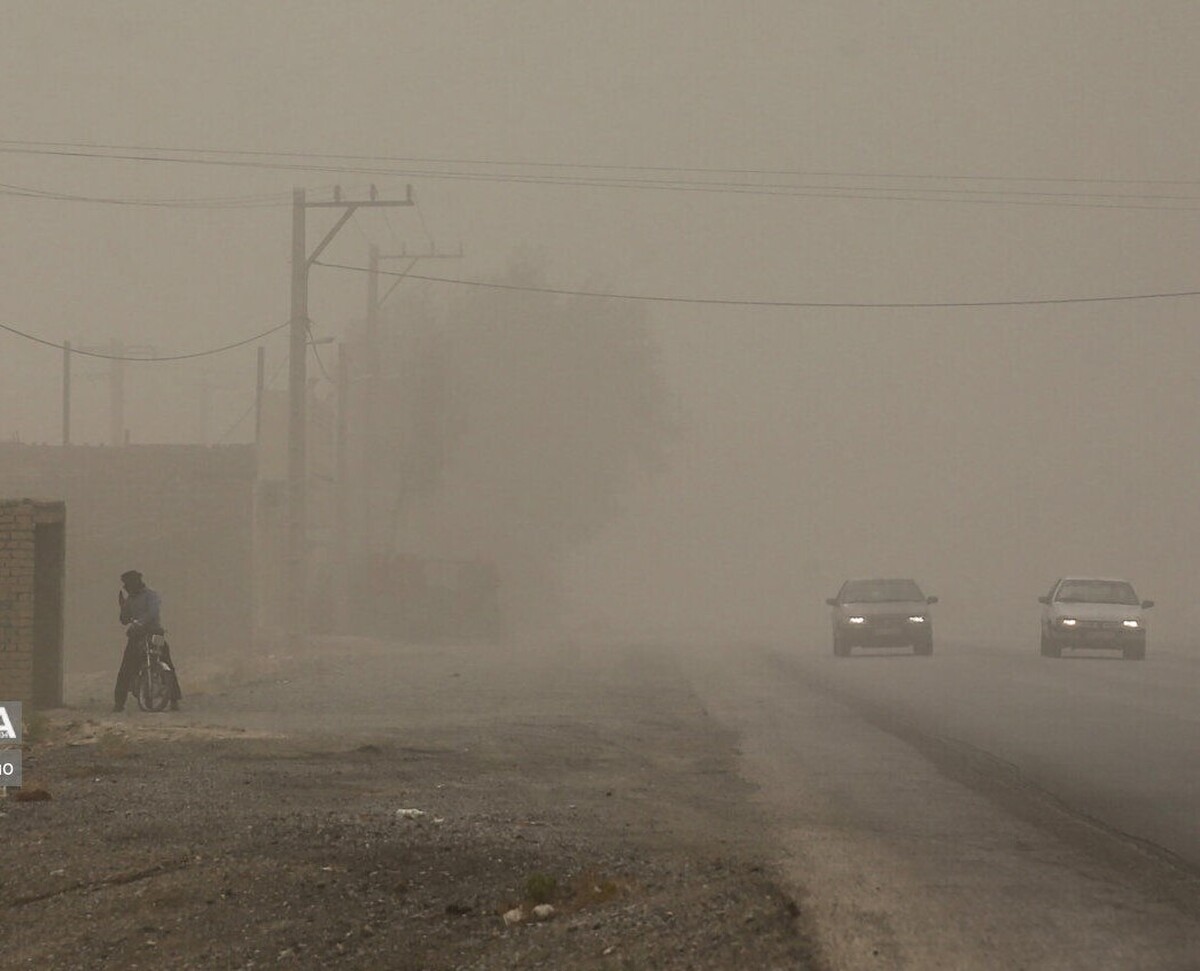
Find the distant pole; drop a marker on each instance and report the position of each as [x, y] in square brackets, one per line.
[342, 485]
[341, 457]
[370, 464]
[206, 393]
[297, 531]
[259, 386]
[66, 394]
[373, 293]
[116, 394]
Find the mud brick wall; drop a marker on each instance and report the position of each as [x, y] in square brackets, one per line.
[16, 600]
[181, 514]
[19, 519]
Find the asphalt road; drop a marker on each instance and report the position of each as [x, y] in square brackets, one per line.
[980, 808]
[1117, 740]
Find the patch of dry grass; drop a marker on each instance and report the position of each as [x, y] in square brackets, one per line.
[114, 745]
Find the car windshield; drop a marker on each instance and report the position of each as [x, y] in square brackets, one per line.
[880, 591]
[1096, 592]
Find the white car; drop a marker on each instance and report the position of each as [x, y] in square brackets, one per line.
[1094, 612]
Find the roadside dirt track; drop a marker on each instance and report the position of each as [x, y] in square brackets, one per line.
[260, 827]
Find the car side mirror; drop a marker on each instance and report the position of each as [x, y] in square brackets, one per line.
[1044, 600]
[1147, 604]
[832, 601]
[931, 600]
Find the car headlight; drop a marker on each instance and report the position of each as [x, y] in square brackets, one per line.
[1068, 622]
[916, 620]
[1131, 623]
[856, 620]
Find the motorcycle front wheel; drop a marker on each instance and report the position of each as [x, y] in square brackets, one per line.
[153, 688]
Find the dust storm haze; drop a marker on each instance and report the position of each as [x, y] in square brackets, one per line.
[796, 177]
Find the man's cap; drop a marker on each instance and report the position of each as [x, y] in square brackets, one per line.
[130, 575]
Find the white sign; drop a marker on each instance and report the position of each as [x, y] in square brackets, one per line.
[8, 730]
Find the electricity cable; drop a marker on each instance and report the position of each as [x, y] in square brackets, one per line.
[272, 200]
[400, 278]
[809, 304]
[862, 192]
[599, 166]
[146, 360]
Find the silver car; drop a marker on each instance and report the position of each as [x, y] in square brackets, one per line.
[1094, 612]
[881, 613]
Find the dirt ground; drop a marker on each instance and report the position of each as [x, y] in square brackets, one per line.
[363, 805]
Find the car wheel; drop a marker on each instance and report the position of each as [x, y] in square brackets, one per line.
[924, 646]
[1135, 652]
[840, 647]
[1049, 648]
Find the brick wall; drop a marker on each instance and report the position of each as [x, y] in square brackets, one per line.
[19, 519]
[181, 514]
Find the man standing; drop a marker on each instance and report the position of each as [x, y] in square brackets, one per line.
[140, 609]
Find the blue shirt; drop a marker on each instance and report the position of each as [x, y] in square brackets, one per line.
[143, 607]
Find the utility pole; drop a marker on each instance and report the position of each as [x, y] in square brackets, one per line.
[370, 425]
[341, 494]
[343, 426]
[373, 377]
[260, 384]
[297, 526]
[116, 394]
[118, 355]
[66, 393]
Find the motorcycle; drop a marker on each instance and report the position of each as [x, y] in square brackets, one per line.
[153, 682]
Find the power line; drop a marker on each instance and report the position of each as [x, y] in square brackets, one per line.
[606, 166]
[862, 192]
[848, 305]
[218, 202]
[400, 278]
[145, 360]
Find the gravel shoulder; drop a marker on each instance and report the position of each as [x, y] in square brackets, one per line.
[264, 825]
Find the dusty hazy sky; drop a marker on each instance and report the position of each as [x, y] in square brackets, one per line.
[985, 451]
